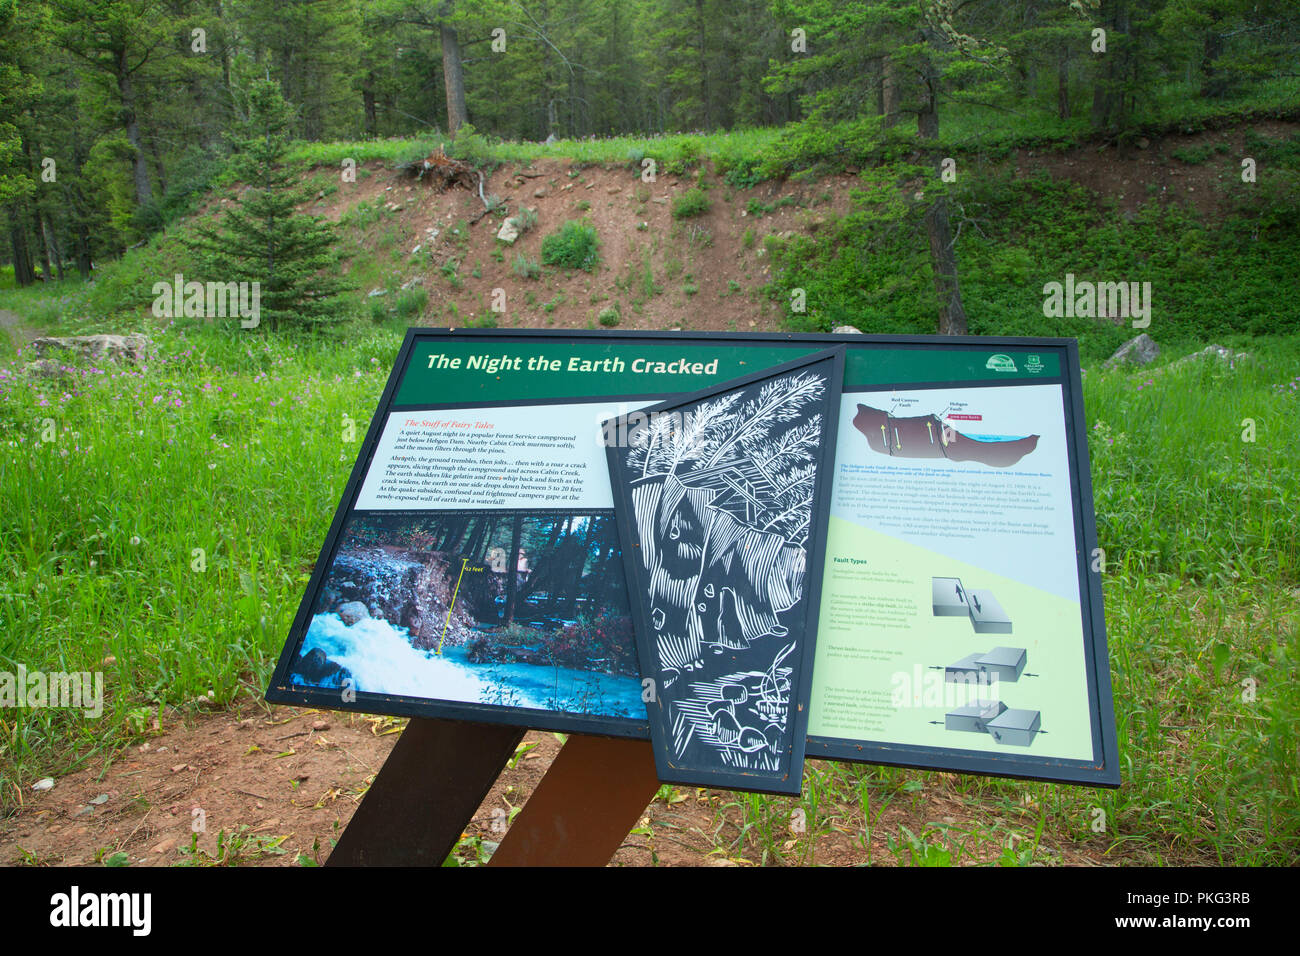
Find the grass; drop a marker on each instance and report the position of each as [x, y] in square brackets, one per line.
[169, 522]
[172, 523]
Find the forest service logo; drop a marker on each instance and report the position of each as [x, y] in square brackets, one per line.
[1000, 363]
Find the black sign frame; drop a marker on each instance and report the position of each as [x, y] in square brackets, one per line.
[1101, 772]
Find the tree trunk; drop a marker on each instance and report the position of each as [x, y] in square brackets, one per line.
[82, 242]
[1107, 100]
[23, 274]
[368, 103]
[52, 251]
[705, 95]
[938, 229]
[125, 89]
[512, 570]
[454, 77]
[1213, 84]
[42, 245]
[890, 95]
[1063, 86]
[575, 573]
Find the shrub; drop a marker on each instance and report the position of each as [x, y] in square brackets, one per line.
[574, 246]
[694, 202]
[608, 316]
[525, 219]
[526, 268]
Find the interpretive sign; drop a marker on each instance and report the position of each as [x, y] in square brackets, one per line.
[474, 568]
[721, 498]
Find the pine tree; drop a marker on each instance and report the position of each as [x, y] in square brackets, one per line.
[265, 239]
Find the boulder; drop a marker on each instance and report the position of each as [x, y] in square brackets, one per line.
[1141, 350]
[112, 348]
[846, 330]
[316, 669]
[352, 612]
[1219, 352]
[509, 231]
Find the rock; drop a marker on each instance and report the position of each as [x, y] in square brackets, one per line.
[1141, 350]
[846, 330]
[375, 292]
[113, 348]
[320, 725]
[509, 231]
[1212, 351]
[101, 799]
[44, 368]
[614, 190]
[661, 200]
[416, 250]
[418, 280]
[539, 193]
[550, 140]
[45, 783]
[352, 612]
[319, 671]
[165, 845]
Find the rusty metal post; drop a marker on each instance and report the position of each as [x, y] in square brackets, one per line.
[593, 794]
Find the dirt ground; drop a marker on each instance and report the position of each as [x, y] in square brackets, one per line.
[276, 784]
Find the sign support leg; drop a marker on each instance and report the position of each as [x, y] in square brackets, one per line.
[593, 794]
[426, 793]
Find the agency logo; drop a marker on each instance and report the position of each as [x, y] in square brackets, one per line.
[74, 909]
[1000, 363]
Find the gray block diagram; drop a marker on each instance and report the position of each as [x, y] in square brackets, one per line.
[1015, 727]
[986, 614]
[1008, 726]
[949, 598]
[1001, 664]
[974, 717]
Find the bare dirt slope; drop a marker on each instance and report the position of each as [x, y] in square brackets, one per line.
[706, 272]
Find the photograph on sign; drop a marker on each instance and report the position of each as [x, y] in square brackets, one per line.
[458, 618]
[720, 502]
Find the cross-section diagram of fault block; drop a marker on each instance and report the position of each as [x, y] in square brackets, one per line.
[1011, 726]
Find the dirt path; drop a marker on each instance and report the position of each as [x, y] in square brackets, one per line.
[13, 329]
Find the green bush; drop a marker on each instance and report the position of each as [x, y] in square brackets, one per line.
[694, 202]
[472, 147]
[609, 316]
[574, 246]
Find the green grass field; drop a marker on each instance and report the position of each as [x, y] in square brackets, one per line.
[165, 519]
